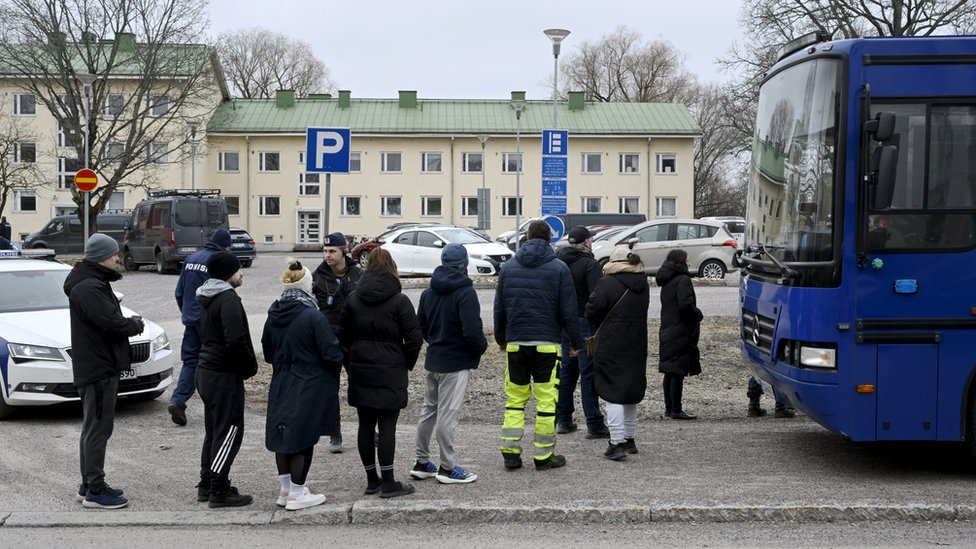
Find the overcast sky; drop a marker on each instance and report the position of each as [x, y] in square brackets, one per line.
[448, 49]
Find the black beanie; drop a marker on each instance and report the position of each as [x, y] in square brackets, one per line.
[223, 265]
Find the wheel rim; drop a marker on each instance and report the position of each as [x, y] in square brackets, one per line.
[159, 263]
[363, 259]
[712, 270]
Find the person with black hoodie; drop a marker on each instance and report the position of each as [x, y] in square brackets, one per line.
[450, 320]
[680, 319]
[618, 307]
[379, 328]
[99, 353]
[226, 360]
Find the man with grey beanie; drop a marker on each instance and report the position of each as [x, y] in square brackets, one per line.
[99, 352]
[450, 320]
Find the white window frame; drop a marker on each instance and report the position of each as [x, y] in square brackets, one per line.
[585, 165]
[466, 160]
[508, 202]
[264, 205]
[63, 137]
[19, 104]
[157, 157]
[425, 204]
[236, 200]
[518, 157]
[659, 202]
[385, 202]
[309, 184]
[18, 201]
[344, 202]
[622, 164]
[355, 162]
[385, 158]
[585, 202]
[222, 161]
[19, 152]
[622, 203]
[158, 105]
[469, 204]
[66, 177]
[661, 157]
[264, 159]
[110, 107]
[427, 158]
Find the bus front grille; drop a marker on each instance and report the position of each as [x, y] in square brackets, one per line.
[757, 331]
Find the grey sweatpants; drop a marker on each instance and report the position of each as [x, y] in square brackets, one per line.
[98, 420]
[442, 408]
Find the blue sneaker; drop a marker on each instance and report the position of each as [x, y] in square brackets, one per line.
[104, 500]
[83, 491]
[421, 471]
[455, 476]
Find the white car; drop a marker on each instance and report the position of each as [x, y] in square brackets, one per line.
[417, 249]
[35, 338]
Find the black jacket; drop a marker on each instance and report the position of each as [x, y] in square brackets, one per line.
[304, 353]
[585, 270]
[225, 338]
[620, 362]
[380, 329]
[450, 320]
[99, 332]
[680, 319]
[326, 283]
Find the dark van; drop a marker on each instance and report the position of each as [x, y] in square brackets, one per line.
[66, 235]
[168, 226]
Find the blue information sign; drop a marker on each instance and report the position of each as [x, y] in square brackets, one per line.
[327, 150]
[553, 205]
[555, 142]
[554, 167]
[556, 226]
[553, 187]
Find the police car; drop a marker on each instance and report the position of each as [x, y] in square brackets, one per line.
[35, 338]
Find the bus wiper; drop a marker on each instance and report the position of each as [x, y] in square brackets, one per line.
[784, 269]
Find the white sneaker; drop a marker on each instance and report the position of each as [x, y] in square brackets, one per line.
[282, 498]
[304, 501]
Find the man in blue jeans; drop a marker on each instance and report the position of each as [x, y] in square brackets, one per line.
[586, 272]
[193, 275]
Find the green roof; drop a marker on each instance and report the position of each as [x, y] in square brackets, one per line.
[446, 116]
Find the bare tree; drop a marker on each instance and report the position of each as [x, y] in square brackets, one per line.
[143, 91]
[18, 159]
[259, 62]
[720, 185]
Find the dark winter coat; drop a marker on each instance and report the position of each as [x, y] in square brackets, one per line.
[99, 332]
[192, 276]
[225, 337]
[585, 270]
[535, 298]
[326, 283]
[450, 321]
[304, 353]
[680, 319]
[620, 362]
[380, 329]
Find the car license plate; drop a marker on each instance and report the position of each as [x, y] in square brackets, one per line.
[127, 374]
[238, 245]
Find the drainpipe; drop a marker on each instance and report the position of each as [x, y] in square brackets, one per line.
[247, 180]
[451, 203]
[650, 197]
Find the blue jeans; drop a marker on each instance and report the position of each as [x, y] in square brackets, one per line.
[579, 369]
[189, 354]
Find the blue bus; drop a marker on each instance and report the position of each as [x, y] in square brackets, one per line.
[858, 288]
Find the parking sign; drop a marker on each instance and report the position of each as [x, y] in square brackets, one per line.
[327, 150]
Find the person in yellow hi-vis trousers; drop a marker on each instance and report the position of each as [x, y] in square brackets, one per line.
[535, 301]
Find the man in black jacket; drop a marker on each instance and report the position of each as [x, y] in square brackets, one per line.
[99, 353]
[586, 273]
[226, 360]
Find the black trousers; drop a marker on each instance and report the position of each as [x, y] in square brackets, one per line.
[223, 419]
[98, 422]
[673, 386]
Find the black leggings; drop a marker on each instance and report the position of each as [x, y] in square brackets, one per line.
[369, 418]
[295, 464]
[673, 385]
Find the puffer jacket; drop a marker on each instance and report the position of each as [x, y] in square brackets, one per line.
[450, 319]
[620, 361]
[680, 319]
[585, 270]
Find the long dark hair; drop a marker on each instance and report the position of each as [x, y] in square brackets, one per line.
[678, 256]
[382, 260]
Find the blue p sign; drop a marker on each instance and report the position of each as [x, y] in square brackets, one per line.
[327, 150]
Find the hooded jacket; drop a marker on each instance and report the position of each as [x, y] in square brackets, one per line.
[326, 284]
[450, 321]
[379, 328]
[535, 299]
[192, 276]
[224, 333]
[585, 270]
[304, 353]
[680, 319]
[99, 332]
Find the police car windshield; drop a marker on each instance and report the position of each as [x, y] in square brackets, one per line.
[32, 291]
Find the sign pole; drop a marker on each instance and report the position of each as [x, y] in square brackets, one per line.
[328, 203]
[85, 198]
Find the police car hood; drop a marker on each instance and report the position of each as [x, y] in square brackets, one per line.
[52, 328]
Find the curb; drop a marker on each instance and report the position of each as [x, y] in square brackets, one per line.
[449, 512]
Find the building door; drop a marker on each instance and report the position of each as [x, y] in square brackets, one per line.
[309, 227]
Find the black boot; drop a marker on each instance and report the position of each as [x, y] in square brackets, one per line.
[755, 410]
[616, 452]
[784, 411]
[222, 494]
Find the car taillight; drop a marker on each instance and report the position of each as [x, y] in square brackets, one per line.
[251, 242]
[730, 243]
[169, 234]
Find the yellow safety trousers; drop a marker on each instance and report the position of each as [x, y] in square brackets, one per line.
[530, 374]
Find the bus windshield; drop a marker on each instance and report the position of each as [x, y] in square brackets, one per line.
[793, 172]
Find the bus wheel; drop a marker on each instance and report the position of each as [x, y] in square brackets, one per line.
[712, 268]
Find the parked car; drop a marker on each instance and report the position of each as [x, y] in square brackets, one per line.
[242, 246]
[709, 245]
[360, 252]
[734, 224]
[35, 338]
[571, 220]
[417, 249]
[599, 232]
[65, 234]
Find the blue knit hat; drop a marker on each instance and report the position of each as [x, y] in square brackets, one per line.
[455, 255]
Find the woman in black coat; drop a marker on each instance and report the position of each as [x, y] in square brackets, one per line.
[618, 306]
[680, 319]
[380, 329]
[305, 355]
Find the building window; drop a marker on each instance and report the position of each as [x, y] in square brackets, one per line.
[269, 205]
[308, 184]
[511, 162]
[430, 206]
[114, 151]
[469, 206]
[233, 205]
[592, 163]
[68, 137]
[25, 104]
[355, 162]
[228, 161]
[158, 105]
[590, 204]
[301, 157]
[390, 206]
[67, 168]
[629, 163]
[629, 204]
[269, 162]
[350, 205]
[511, 206]
[431, 162]
[667, 163]
[116, 201]
[25, 201]
[114, 105]
[473, 162]
[390, 163]
[25, 153]
[666, 207]
[159, 153]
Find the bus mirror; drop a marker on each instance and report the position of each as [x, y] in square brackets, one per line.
[881, 127]
[884, 161]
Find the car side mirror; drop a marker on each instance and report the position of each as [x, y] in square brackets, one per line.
[631, 242]
[438, 243]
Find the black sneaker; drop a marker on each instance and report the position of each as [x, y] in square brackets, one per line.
[616, 452]
[229, 498]
[512, 461]
[566, 428]
[784, 412]
[630, 446]
[177, 413]
[554, 461]
[756, 411]
[602, 432]
[683, 415]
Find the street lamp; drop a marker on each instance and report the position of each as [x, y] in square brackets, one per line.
[484, 220]
[519, 106]
[193, 154]
[86, 80]
[557, 36]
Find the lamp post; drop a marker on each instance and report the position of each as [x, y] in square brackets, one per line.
[519, 106]
[484, 219]
[86, 80]
[193, 155]
[557, 36]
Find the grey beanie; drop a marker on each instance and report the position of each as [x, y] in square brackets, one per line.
[455, 255]
[100, 247]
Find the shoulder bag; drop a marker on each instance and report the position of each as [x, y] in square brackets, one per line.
[591, 341]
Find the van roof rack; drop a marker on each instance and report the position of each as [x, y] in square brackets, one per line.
[184, 192]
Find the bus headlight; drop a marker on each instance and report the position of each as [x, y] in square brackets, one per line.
[818, 357]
